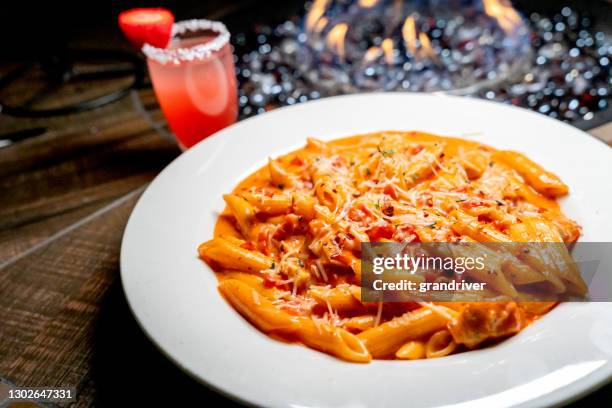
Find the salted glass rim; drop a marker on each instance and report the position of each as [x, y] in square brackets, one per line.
[196, 52]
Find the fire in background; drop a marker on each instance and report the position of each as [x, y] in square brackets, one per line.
[555, 64]
[411, 45]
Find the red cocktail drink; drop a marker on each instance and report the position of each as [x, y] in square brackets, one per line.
[194, 80]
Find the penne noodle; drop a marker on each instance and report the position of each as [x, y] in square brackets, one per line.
[333, 340]
[413, 350]
[266, 317]
[386, 339]
[422, 165]
[271, 205]
[493, 274]
[339, 298]
[440, 344]
[318, 145]
[231, 256]
[279, 177]
[474, 162]
[359, 323]
[551, 257]
[329, 193]
[568, 229]
[537, 308]
[256, 308]
[243, 211]
[542, 181]
[465, 224]
[304, 206]
[254, 281]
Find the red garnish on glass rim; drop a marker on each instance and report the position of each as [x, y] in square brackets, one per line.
[147, 25]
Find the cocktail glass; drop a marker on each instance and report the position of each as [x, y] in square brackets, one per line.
[194, 80]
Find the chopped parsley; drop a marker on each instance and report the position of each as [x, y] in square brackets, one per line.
[385, 153]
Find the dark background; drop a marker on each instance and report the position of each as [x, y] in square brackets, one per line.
[32, 29]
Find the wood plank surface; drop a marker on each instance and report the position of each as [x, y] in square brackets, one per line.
[49, 300]
[52, 181]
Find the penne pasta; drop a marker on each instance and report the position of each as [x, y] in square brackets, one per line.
[229, 255]
[413, 350]
[243, 211]
[469, 226]
[386, 339]
[279, 177]
[304, 206]
[287, 249]
[268, 318]
[440, 344]
[272, 205]
[339, 298]
[542, 181]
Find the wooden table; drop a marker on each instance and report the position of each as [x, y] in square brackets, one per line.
[65, 198]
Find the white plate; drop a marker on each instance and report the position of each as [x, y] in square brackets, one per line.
[174, 297]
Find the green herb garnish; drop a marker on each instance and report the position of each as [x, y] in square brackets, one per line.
[385, 153]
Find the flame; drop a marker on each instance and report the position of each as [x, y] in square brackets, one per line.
[501, 10]
[409, 34]
[321, 25]
[421, 48]
[319, 7]
[372, 54]
[387, 47]
[335, 39]
[427, 50]
[367, 3]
